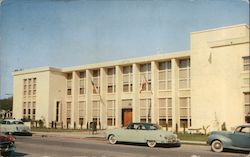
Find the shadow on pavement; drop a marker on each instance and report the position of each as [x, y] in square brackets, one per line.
[158, 145]
[17, 154]
[237, 151]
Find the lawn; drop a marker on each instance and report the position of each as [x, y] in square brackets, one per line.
[192, 137]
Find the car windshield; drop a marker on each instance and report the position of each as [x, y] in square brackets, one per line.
[144, 126]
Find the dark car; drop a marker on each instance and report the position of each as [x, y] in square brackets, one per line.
[7, 144]
[237, 140]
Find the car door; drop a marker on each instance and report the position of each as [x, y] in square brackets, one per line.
[241, 137]
[129, 134]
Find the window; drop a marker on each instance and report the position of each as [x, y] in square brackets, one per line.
[111, 80]
[145, 77]
[82, 74]
[96, 81]
[246, 63]
[96, 111]
[127, 78]
[165, 75]
[82, 83]
[184, 74]
[185, 112]
[68, 110]
[82, 112]
[247, 103]
[111, 112]
[69, 76]
[165, 112]
[145, 110]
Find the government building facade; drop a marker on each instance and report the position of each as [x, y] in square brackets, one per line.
[206, 86]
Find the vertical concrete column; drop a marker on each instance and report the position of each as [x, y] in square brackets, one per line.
[154, 87]
[103, 102]
[88, 97]
[175, 98]
[118, 101]
[74, 103]
[136, 93]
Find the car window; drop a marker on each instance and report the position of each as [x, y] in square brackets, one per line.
[245, 130]
[132, 126]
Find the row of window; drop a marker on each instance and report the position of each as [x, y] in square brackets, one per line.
[29, 110]
[29, 87]
[165, 76]
[165, 111]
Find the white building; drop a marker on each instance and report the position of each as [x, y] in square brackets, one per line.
[206, 85]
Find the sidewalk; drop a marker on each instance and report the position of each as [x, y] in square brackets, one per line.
[88, 134]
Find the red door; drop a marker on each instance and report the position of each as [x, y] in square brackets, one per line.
[127, 117]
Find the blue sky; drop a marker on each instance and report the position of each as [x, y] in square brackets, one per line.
[61, 33]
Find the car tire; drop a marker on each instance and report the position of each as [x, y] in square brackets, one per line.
[151, 143]
[217, 146]
[112, 139]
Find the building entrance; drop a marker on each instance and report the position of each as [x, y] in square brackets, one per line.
[126, 117]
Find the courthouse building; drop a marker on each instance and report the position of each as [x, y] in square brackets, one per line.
[207, 85]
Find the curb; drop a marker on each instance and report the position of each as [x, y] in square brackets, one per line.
[90, 136]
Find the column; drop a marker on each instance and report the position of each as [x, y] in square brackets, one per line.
[88, 97]
[154, 89]
[103, 102]
[136, 90]
[118, 101]
[175, 98]
[74, 103]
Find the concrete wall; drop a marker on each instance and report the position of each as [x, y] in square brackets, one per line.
[217, 64]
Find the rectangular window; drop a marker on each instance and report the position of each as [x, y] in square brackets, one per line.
[165, 112]
[82, 74]
[82, 84]
[185, 111]
[145, 110]
[111, 112]
[96, 109]
[246, 63]
[165, 75]
[96, 81]
[111, 80]
[127, 78]
[247, 103]
[68, 110]
[184, 74]
[145, 77]
[82, 109]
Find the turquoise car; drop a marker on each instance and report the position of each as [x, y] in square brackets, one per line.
[237, 140]
[148, 133]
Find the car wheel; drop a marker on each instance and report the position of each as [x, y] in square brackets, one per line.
[5, 154]
[151, 144]
[112, 139]
[217, 146]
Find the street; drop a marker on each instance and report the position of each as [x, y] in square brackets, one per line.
[37, 146]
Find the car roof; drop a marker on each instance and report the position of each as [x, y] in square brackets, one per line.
[143, 123]
[12, 120]
[244, 125]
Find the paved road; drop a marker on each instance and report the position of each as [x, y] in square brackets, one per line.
[68, 147]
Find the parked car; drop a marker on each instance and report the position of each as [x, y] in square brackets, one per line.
[237, 140]
[7, 144]
[15, 127]
[148, 133]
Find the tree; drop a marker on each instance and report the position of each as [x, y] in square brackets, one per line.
[6, 104]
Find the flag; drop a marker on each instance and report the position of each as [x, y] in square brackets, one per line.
[94, 87]
[143, 85]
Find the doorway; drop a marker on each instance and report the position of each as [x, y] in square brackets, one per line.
[126, 117]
